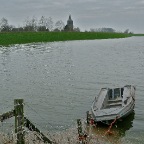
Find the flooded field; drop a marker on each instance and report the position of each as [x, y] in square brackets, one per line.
[58, 82]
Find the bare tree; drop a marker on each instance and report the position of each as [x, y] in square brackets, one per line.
[42, 21]
[4, 26]
[30, 24]
[92, 30]
[42, 24]
[27, 26]
[59, 25]
[76, 29]
[49, 23]
[34, 23]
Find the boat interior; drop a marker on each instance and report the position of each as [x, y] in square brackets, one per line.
[113, 98]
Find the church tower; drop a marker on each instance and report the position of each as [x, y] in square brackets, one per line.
[69, 26]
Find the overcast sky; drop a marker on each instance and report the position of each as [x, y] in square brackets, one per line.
[86, 14]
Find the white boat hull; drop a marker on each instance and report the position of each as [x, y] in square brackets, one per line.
[107, 107]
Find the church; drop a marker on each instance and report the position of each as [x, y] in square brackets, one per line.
[69, 26]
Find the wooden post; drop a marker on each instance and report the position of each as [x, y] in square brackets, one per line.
[88, 117]
[80, 130]
[79, 127]
[19, 120]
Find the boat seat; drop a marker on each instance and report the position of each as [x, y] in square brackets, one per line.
[115, 104]
[115, 100]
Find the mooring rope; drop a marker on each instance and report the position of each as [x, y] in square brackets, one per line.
[108, 131]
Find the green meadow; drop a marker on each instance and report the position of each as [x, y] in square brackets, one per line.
[10, 38]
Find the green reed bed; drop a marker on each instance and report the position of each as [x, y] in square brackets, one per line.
[29, 37]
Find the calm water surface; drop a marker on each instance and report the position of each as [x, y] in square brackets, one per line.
[58, 81]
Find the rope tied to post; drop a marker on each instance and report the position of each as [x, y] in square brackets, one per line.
[108, 131]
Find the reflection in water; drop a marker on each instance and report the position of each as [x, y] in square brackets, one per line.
[4, 68]
[118, 130]
[125, 124]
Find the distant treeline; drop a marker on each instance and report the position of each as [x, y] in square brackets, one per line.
[46, 25]
[33, 24]
[111, 30]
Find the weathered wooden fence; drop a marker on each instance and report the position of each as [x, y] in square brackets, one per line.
[21, 122]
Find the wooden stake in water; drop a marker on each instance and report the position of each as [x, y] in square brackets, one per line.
[80, 130]
[88, 117]
[79, 127]
[19, 120]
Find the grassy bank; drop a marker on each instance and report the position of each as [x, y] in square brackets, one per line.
[29, 37]
[138, 34]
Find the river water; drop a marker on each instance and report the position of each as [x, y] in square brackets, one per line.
[58, 81]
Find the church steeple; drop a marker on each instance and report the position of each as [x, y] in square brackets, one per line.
[69, 17]
[70, 23]
[69, 26]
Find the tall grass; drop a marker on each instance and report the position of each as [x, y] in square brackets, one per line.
[29, 37]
